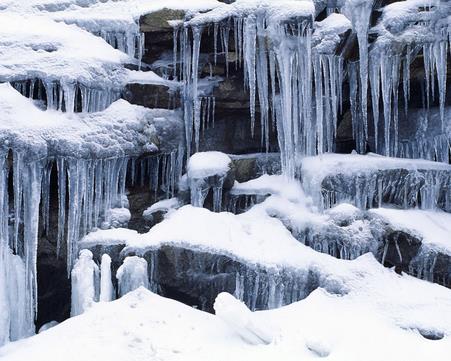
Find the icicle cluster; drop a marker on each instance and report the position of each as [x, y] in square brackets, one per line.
[70, 97]
[426, 189]
[281, 55]
[129, 42]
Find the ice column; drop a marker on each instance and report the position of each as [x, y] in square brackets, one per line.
[106, 284]
[132, 274]
[85, 278]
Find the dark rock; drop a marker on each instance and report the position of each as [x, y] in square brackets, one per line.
[152, 96]
[158, 21]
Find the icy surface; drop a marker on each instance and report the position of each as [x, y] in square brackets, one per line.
[149, 77]
[205, 171]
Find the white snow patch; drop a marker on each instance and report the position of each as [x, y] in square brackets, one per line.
[144, 326]
[207, 164]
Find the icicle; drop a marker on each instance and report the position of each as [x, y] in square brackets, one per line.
[250, 38]
[106, 285]
[263, 83]
[375, 94]
[18, 189]
[360, 18]
[31, 199]
[69, 91]
[440, 56]
[61, 168]
[197, 33]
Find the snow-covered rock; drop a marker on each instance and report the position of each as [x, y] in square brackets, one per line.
[121, 130]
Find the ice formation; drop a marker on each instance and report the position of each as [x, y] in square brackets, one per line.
[107, 292]
[85, 277]
[132, 275]
[205, 171]
[278, 39]
[371, 180]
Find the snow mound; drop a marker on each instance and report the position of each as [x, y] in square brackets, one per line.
[143, 326]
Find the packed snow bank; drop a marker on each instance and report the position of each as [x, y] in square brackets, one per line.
[433, 228]
[143, 326]
[121, 130]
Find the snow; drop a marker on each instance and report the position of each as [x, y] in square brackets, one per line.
[97, 15]
[144, 326]
[122, 129]
[38, 47]
[166, 205]
[432, 227]
[207, 164]
[359, 307]
[115, 236]
[47, 326]
[324, 165]
[271, 185]
[242, 320]
[117, 217]
[326, 36]
[277, 10]
[149, 77]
